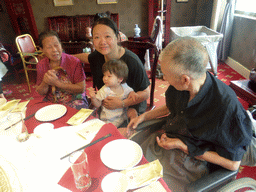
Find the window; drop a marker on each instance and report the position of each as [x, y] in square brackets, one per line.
[246, 7]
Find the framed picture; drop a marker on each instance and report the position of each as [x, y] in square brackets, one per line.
[63, 2]
[181, 1]
[106, 1]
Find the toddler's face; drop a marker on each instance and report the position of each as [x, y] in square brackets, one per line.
[111, 80]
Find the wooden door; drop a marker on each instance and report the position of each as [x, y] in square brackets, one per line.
[163, 9]
[22, 18]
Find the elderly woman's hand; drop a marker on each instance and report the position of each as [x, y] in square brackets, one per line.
[50, 77]
[112, 102]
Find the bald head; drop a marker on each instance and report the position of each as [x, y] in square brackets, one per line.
[187, 56]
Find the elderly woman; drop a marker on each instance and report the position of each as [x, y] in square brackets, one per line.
[60, 77]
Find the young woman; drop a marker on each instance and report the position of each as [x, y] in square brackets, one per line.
[105, 39]
[60, 77]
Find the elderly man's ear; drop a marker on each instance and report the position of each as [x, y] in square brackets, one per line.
[185, 81]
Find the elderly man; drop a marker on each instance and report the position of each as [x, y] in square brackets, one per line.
[205, 124]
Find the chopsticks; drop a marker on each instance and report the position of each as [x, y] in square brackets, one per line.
[28, 117]
[88, 145]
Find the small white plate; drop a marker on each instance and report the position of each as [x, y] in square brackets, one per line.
[121, 154]
[114, 182]
[43, 129]
[51, 112]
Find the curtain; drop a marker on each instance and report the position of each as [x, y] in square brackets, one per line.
[226, 30]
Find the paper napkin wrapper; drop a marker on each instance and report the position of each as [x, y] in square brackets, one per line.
[144, 174]
[20, 107]
[9, 105]
[91, 128]
[79, 117]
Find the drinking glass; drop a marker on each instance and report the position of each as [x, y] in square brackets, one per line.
[80, 169]
[23, 136]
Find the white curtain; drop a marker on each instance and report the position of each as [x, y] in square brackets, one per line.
[226, 30]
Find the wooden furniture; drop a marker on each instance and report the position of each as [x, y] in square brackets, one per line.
[22, 18]
[242, 89]
[138, 47]
[72, 28]
[162, 8]
[28, 53]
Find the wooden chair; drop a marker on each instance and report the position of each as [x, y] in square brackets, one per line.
[137, 48]
[28, 53]
[151, 39]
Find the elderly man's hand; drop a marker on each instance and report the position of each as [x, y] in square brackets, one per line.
[171, 143]
[112, 102]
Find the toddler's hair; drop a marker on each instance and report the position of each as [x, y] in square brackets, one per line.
[117, 67]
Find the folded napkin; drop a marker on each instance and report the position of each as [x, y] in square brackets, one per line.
[9, 105]
[144, 174]
[80, 116]
[20, 107]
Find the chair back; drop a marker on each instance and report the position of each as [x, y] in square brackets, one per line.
[27, 50]
[141, 47]
[25, 44]
[156, 30]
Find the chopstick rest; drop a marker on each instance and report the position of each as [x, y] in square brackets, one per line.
[88, 145]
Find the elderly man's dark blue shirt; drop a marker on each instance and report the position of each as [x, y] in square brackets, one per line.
[214, 120]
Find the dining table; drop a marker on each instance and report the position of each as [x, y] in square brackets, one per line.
[36, 164]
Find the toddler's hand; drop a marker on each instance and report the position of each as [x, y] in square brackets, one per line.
[91, 92]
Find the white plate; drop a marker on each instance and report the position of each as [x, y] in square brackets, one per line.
[43, 129]
[114, 182]
[51, 112]
[121, 154]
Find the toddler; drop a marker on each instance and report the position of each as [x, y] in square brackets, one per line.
[115, 73]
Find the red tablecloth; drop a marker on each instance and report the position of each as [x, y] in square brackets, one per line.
[97, 169]
[34, 105]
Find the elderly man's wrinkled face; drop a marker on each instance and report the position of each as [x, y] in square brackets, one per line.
[173, 78]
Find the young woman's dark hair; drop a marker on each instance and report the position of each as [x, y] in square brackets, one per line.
[101, 15]
[108, 22]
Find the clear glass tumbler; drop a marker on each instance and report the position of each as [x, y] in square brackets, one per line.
[80, 169]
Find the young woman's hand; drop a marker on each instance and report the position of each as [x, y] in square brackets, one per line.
[134, 96]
